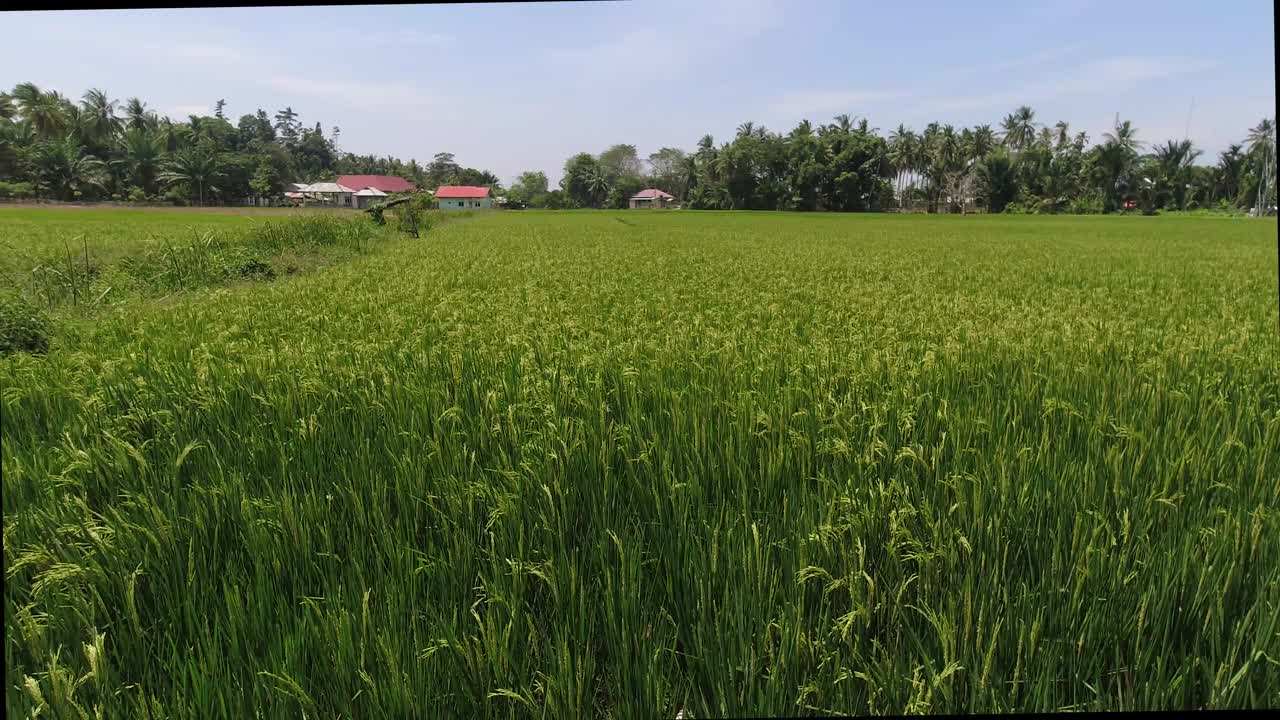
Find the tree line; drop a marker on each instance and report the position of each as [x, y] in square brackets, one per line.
[100, 149]
[845, 165]
[52, 147]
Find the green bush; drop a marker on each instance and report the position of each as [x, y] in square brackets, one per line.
[18, 190]
[177, 196]
[408, 219]
[23, 327]
[1085, 205]
[137, 195]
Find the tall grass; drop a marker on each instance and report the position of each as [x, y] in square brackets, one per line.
[553, 465]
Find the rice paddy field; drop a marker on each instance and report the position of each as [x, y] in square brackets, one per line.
[627, 464]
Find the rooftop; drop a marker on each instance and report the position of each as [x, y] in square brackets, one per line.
[652, 194]
[385, 183]
[462, 191]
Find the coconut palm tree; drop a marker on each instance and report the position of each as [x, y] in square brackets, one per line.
[689, 172]
[1125, 137]
[1019, 128]
[198, 167]
[99, 122]
[136, 115]
[43, 110]
[984, 141]
[897, 155]
[7, 108]
[1262, 158]
[1116, 155]
[1262, 137]
[1062, 133]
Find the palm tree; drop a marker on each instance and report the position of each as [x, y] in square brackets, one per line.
[44, 110]
[7, 109]
[1019, 128]
[1262, 137]
[99, 121]
[996, 179]
[984, 141]
[1229, 173]
[168, 134]
[196, 166]
[598, 184]
[26, 95]
[142, 153]
[1117, 154]
[689, 172]
[66, 168]
[1173, 161]
[899, 153]
[136, 115]
[1045, 138]
[1125, 137]
[1262, 156]
[1062, 133]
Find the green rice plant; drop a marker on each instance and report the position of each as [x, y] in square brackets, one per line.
[554, 465]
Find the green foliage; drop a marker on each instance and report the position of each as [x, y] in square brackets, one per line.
[99, 149]
[409, 218]
[23, 327]
[1086, 205]
[16, 190]
[84, 265]
[997, 184]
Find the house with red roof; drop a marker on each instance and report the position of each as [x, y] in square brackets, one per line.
[463, 197]
[389, 184]
[650, 198]
[361, 191]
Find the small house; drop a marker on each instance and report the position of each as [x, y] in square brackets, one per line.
[463, 197]
[651, 198]
[332, 194]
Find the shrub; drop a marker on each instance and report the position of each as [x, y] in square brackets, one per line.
[1085, 205]
[18, 190]
[23, 327]
[409, 219]
[137, 195]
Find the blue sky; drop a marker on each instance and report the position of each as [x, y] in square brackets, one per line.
[511, 87]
